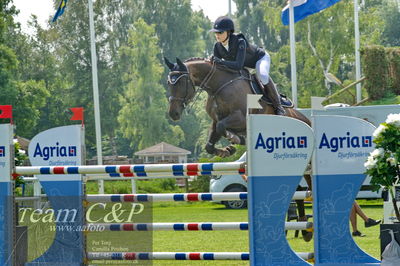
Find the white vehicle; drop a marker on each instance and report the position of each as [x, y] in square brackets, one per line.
[230, 183]
[235, 183]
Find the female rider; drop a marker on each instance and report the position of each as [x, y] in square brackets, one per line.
[234, 51]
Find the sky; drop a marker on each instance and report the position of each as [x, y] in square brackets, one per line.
[43, 9]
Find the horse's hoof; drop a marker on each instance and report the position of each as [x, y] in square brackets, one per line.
[210, 148]
[222, 153]
[233, 138]
[307, 236]
[231, 149]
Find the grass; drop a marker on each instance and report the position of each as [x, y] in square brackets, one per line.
[214, 241]
[234, 241]
[390, 99]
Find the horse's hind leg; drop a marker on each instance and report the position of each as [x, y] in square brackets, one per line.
[307, 236]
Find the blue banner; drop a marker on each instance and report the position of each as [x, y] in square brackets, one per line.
[305, 8]
[60, 10]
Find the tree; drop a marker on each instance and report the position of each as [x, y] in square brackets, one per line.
[391, 15]
[254, 19]
[26, 95]
[142, 117]
[39, 63]
[324, 43]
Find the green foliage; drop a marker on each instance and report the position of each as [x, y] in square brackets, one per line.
[391, 16]
[200, 184]
[390, 99]
[240, 149]
[19, 159]
[32, 96]
[8, 65]
[375, 68]
[162, 185]
[394, 69]
[382, 68]
[142, 117]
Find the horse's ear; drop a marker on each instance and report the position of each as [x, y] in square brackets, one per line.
[180, 64]
[168, 63]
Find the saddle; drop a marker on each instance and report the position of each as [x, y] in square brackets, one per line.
[258, 88]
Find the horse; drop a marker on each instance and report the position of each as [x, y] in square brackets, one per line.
[226, 104]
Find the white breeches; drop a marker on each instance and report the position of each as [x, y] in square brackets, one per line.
[262, 68]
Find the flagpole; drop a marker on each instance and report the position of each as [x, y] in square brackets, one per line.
[357, 50]
[293, 53]
[95, 93]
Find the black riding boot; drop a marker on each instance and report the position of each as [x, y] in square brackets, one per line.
[272, 92]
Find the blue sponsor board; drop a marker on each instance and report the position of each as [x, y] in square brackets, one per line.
[343, 144]
[62, 146]
[277, 159]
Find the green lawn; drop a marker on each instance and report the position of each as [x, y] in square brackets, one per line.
[238, 241]
[213, 241]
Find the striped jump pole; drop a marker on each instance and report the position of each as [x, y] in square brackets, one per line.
[211, 226]
[190, 169]
[178, 255]
[222, 196]
[151, 175]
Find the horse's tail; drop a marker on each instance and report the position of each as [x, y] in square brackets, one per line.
[294, 113]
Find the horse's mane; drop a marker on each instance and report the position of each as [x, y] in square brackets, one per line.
[194, 59]
[220, 67]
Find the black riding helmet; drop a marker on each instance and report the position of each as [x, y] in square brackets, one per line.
[223, 24]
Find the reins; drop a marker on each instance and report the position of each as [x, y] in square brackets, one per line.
[210, 75]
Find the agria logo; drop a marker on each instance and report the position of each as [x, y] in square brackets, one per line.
[47, 152]
[270, 144]
[335, 143]
[2, 151]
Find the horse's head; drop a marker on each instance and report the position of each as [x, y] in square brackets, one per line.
[181, 87]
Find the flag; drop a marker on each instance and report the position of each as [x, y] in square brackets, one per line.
[60, 9]
[6, 112]
[305, 8]
[77, 114]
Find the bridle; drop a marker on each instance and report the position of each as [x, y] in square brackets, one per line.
[173, 78]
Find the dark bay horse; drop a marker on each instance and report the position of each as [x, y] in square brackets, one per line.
[226, 105]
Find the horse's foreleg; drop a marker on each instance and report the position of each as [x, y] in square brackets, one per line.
[236, 120]
[213, 138]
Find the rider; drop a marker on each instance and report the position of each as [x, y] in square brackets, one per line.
[234, 51]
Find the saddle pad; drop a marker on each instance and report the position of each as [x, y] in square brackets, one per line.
[255, 87]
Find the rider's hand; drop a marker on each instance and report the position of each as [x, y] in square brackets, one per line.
[217, 60]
